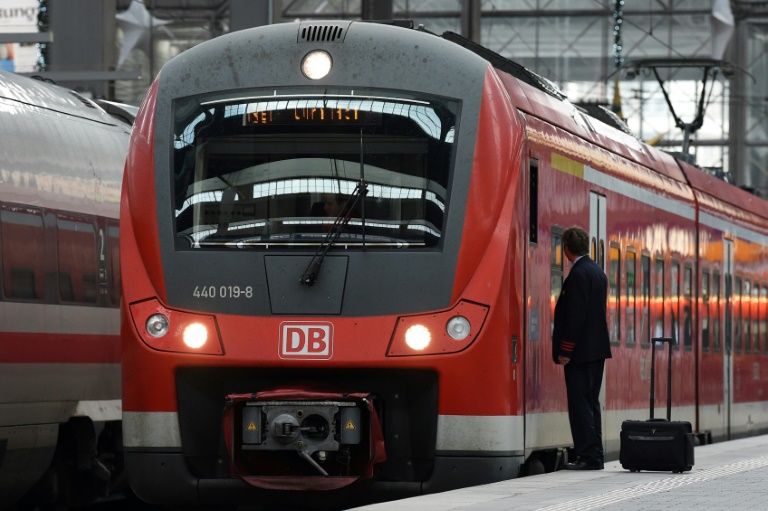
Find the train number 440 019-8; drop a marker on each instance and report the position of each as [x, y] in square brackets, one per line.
[223, 292]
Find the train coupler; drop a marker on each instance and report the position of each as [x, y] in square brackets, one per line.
[299, 440]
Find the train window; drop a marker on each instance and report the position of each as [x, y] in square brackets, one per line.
[675, 303]
[745, 315]
[645, 301]
[755, 317]
[705, 311]
[687, 312]
[533, 201]
[630, 299]
[113, 253]
[284, 169]
[601, 254]
[22, 253]
[77, 258]
[737, 315]
[593, 250]
[555, 273]
[716, 312]
[764, 319]
[614, 285]
[658, 298]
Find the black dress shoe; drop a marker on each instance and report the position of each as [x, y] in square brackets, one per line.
[581, 464]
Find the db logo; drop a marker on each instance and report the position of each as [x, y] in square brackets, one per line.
[306, 340]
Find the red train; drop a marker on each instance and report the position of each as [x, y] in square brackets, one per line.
[342, 248]
[60, 404]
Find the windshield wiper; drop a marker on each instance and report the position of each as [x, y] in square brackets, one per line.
[309, 277]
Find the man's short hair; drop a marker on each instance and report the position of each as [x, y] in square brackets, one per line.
[577, 240]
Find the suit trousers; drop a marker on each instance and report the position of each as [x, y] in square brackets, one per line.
[582, 383]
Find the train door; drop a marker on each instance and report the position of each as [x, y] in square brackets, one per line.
[597, 240]
[597, 207]
[728, 331]
[529, 374]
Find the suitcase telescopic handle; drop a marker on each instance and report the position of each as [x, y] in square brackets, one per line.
[669, 341]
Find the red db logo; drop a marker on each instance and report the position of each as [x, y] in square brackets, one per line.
[306, 340]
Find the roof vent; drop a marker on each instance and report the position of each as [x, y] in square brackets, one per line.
[87, 102]
[327, 32]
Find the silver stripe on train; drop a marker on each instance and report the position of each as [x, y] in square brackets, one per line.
[101, 410]
[151, 429]
[640, 194]
[732, 228]
[669, 205]
[58, 319]
[479, 433]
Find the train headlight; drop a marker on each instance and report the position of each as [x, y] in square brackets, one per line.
[417, 337]
[195, 335]
[439, 332]
[165, 329]
[157, 325]
[316, 64]
[458, 328]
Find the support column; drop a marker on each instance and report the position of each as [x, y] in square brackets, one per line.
[377, 10]
[737, 147]
[84, 41]
[470, 20]
[247, 14]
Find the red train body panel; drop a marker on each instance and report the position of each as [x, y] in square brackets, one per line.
[432, 293]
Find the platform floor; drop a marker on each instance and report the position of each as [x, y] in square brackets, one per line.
[726, 476]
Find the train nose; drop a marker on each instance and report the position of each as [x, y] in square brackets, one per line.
[336, 438]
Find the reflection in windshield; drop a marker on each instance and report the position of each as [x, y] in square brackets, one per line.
[266, 171]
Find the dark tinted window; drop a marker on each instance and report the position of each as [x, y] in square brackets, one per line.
[284, 170]
[77, 259]
[23, 253]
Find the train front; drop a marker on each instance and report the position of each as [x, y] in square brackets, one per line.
[319, 291]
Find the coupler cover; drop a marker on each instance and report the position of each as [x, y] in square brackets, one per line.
[297, 439]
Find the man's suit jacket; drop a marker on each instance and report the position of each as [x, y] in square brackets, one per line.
[581, 329]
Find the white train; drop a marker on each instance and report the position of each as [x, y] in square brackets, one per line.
[61, 166]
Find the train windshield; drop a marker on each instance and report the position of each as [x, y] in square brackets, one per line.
[279, 169]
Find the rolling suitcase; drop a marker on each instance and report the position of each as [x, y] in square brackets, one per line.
[657, 444]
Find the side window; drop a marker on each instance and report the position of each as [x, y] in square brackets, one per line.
[601, 254]
[645, 301]
[22, 253]
[764, 318]
[658, 298]
[687, 312]
[630, 300]
[113, 254]
[755, 317]
[716, 301]
[705, 305]
[533, 201]
[745, 315]
[614, 285]
[555, 273]
[77, 259]
[675, 302]
[737, 315]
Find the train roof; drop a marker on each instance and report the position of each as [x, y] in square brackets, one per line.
[48, 95]
[540, 97]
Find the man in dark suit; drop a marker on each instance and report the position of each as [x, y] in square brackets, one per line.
[580, 342]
